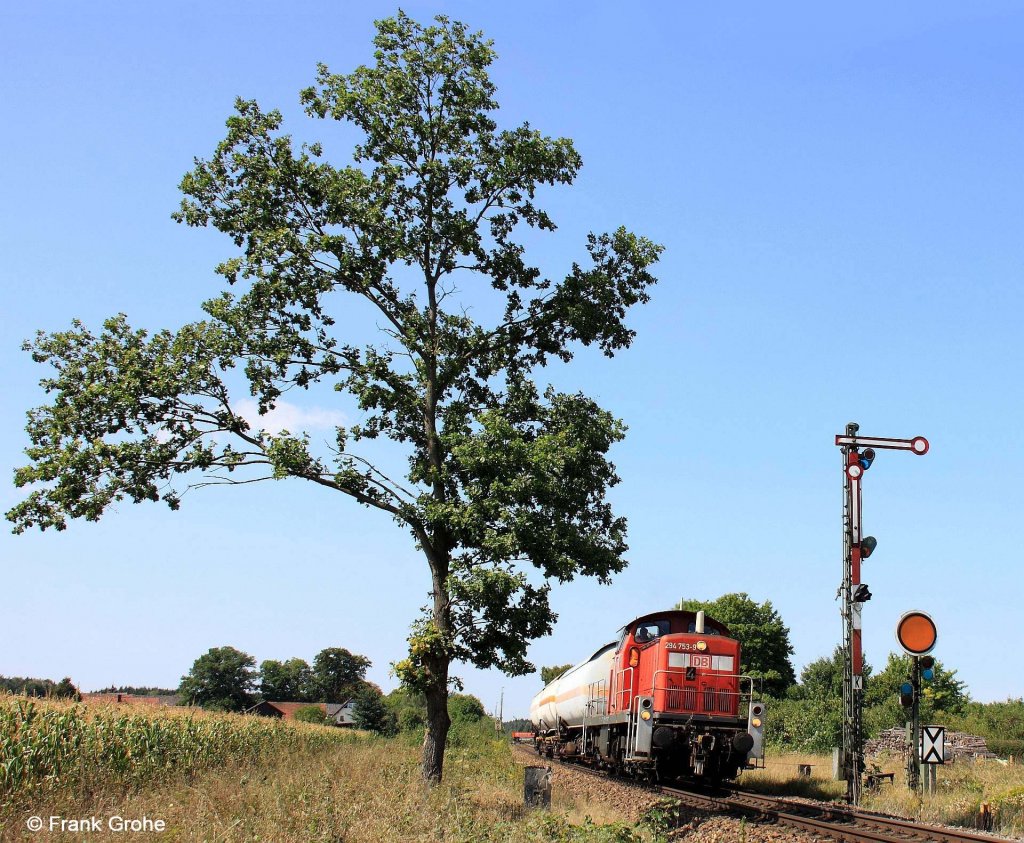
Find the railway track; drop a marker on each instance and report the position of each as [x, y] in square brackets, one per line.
[832, 821]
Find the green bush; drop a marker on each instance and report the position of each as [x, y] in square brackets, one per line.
[312, 714]
[804, 725]
[1004, 747]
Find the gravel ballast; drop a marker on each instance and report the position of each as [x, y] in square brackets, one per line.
[632, 802]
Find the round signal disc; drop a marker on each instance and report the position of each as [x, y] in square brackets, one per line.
[916, 633]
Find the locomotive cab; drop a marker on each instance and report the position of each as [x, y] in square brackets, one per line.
[677, 674]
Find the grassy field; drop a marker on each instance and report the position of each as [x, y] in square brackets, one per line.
[961, 789]
[233, 778]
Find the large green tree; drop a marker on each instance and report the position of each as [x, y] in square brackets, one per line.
[289, 681]
[761, 632]
[338, 674]
[421, 231]
[222, 679]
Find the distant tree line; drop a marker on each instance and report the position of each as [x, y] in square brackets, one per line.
[30, 687]
[226, 679]
[138, 691]
[405, 711]
[808, 717]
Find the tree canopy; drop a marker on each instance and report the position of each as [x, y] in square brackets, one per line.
[501, 470]
[762, 634]
[32, 687]
[552, 672]
[223, 679]
[371, 712]
[943, 693]
[289, 681]
[339, 674]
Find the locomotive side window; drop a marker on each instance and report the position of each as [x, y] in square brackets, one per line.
[649, 630]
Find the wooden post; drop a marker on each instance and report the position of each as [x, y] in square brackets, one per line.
[985, 816]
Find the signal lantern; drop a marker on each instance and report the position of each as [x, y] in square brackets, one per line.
[927, 664]
[755, 728]
[906, 695]
[866, 457]
[867, 546]
[916, 633]
[861, 594]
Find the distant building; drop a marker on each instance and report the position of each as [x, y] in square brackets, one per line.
[343, 714]
[340, 713]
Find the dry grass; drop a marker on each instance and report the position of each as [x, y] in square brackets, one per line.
[358, 789]
[780, 776]
[960, 790]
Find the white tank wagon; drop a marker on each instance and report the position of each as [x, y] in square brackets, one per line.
[565, 701]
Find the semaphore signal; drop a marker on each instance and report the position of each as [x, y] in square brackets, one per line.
[859, 453]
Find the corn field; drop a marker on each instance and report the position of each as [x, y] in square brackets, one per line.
[48, 745]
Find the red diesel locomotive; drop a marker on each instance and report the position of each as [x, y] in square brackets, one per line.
[665, 700]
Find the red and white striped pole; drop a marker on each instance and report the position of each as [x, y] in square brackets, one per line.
[855, 593]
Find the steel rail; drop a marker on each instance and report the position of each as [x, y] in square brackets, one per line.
[839, 822]
[835, 821]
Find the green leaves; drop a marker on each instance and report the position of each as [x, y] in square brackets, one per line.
[223, 678]
[760, 630]
[505, 490]
[128, 412]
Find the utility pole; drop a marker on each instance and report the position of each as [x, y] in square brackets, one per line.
[858, 454]
[499, 720]
[914, 760]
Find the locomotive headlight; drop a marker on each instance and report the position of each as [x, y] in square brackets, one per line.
[645, 715]
[756, 722]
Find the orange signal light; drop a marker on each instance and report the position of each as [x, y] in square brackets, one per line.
[916, 633]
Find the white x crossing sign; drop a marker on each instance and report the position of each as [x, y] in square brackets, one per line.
[933, 744]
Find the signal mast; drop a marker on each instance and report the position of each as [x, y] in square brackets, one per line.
[858, 455]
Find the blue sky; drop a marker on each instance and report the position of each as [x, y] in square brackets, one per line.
[840, 195]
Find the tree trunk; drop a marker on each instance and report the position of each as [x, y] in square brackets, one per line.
[437, 725]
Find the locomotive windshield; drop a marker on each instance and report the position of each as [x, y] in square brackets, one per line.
[649, 630]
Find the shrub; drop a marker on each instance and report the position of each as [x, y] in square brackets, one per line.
[312, 714]
[1005, 747]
